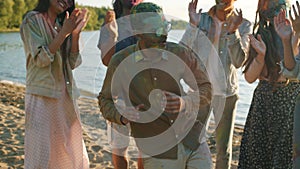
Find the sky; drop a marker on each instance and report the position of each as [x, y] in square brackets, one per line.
[179, 8]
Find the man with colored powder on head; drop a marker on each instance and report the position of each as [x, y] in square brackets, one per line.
[165, 121]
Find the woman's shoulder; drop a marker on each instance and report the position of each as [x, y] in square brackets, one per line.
[32, 15]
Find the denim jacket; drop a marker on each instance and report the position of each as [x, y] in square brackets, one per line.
[46, 73]
[232, 50]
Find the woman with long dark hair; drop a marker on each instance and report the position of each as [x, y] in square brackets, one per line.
[267, 138]
[53, 133]
[291, 69]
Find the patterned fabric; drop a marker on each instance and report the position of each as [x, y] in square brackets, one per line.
[296, 141]
[53, 133]
[50, 142]
[267, 139]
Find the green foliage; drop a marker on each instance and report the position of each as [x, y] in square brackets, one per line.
[96, 16]
[30, 4]
[178, 24]
[6, 13]
[19, 10]
[12, 11]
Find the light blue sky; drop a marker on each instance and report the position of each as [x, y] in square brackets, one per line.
[178, 8]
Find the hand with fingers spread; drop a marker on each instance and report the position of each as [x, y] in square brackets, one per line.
[235, 21]
[296, 20]
[173, 103]
[259, 46]
[81, 21]
[283, 26]
[70, 22]
[193, 15]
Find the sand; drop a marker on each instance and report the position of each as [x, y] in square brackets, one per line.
[12, 124]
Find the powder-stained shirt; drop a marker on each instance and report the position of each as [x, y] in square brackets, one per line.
[132, 75]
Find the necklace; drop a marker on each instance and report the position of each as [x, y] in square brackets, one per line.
[50, 21]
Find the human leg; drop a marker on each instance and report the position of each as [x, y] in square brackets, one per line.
[119, 158]
[118, 137]
[200, 159]
[157, 163]
[224, 134]
[186, 159]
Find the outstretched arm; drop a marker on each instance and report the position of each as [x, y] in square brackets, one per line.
[283, 28]
[257, 65]
[108, 37]
[193, 15]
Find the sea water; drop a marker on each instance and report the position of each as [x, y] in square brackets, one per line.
[90, 74]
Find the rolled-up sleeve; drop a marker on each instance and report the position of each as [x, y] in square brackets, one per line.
[105, 99]
[108, 38]
[75, 60]
[35, 43]
[201, 90]
[189, 35]
[291, 74]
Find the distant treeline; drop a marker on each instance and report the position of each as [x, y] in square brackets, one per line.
[12, 12]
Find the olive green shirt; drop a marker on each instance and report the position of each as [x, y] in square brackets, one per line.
[131, 75]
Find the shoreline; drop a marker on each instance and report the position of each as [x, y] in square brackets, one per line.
[12, 124]
[86, 94]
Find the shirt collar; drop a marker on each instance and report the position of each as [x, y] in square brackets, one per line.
[212, 11]
[138, 55]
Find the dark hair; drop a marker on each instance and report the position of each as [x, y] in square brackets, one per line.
[43, 6]
[274, 47]
[117, 4]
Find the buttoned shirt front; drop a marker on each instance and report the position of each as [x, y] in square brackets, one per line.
[231, 48]
[46, 72]
[142, 75]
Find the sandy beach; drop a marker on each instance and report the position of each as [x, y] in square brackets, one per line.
[12, 124]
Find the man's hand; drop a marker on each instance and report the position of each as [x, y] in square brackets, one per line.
[283, 26]
[296, 20]
[111, 23]
[129, 113]
[109, 17]
[235, 21]
[193, 15]
[173, 103]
